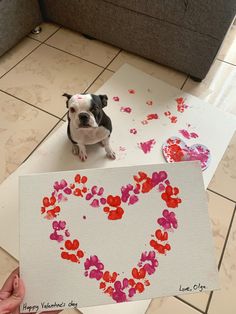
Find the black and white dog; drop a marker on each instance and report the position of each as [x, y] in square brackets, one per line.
[87, 123]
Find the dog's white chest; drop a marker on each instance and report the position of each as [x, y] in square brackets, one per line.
[88, 136]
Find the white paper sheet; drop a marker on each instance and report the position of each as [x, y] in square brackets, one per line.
[174, 228]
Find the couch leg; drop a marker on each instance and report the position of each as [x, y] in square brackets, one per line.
[36, 30]
[195, 79]
[88, 36]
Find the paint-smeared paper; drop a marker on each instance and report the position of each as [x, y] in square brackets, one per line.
[103, 236]
[175, 150]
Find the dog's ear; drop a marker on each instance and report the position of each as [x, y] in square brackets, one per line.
[104, 99]
[68, 96]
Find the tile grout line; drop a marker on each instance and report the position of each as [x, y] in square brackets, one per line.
[42, 140]
[104, 69]
[226, 238]
[222, 255]
[20, 60]
[59, 27]
[226, 62]
[41, 43]
[217, 193]
[208, 303]
[71, 54]
[26, 102]
[189, 304]
[44, 43]
[9, 94]
[181, 88]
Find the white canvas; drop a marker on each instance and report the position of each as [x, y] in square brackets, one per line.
[185, 260]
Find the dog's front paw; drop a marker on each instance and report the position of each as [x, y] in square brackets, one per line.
[75, 149]
[111, 155]
[82, 155]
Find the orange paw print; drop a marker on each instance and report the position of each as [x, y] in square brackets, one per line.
[72, 246]
[79, 191]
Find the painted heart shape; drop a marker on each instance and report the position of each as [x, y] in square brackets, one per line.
[114, 206]
[174, 150]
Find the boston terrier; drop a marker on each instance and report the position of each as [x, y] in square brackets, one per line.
[87, 123]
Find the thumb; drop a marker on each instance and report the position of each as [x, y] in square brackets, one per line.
[12, 303]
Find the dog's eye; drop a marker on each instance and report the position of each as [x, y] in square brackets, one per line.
[72, 110]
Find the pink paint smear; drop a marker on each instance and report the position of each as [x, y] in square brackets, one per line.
[188, 135]
[133, 131]
[147, 146]
[149, 102]
[126, 109]
[131, 91]
[152, 116]
[181, 105]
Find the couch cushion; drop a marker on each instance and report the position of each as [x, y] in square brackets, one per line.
[204, 16]
[17, 19]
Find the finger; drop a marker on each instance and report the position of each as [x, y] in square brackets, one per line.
[11, 304]
[8, 285]
[4, 295]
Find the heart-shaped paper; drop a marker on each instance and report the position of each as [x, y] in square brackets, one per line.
[114, 206]
[174, 150]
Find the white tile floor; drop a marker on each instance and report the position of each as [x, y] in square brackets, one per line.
[35, 73]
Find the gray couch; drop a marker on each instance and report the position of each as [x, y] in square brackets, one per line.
[183, 34]
[17, 19]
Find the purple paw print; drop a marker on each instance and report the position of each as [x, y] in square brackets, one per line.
[96, 273]
[125, 194]
[95, 191]
[60, 188]
[59, 226]
[168, 220]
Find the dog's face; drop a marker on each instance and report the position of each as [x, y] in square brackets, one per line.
[85, 110]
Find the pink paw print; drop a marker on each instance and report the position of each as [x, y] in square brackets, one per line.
[116, 98]
[61, 187]
[131, 91]
[125, 194]
[95, 191]
[59, 226]
[126, 109]
[96, 273]
[168, 220]
[133, 131]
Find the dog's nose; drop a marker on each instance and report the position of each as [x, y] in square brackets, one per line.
[84, 117]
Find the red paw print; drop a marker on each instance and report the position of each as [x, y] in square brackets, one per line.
[72, 246]
[109, 277]
[114, 214]
[49, 208]
[170, 197]
[161, 236]
[138, 274]
[146, 182]
[79, 191]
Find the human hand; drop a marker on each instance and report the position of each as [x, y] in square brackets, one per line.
[12, 294]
